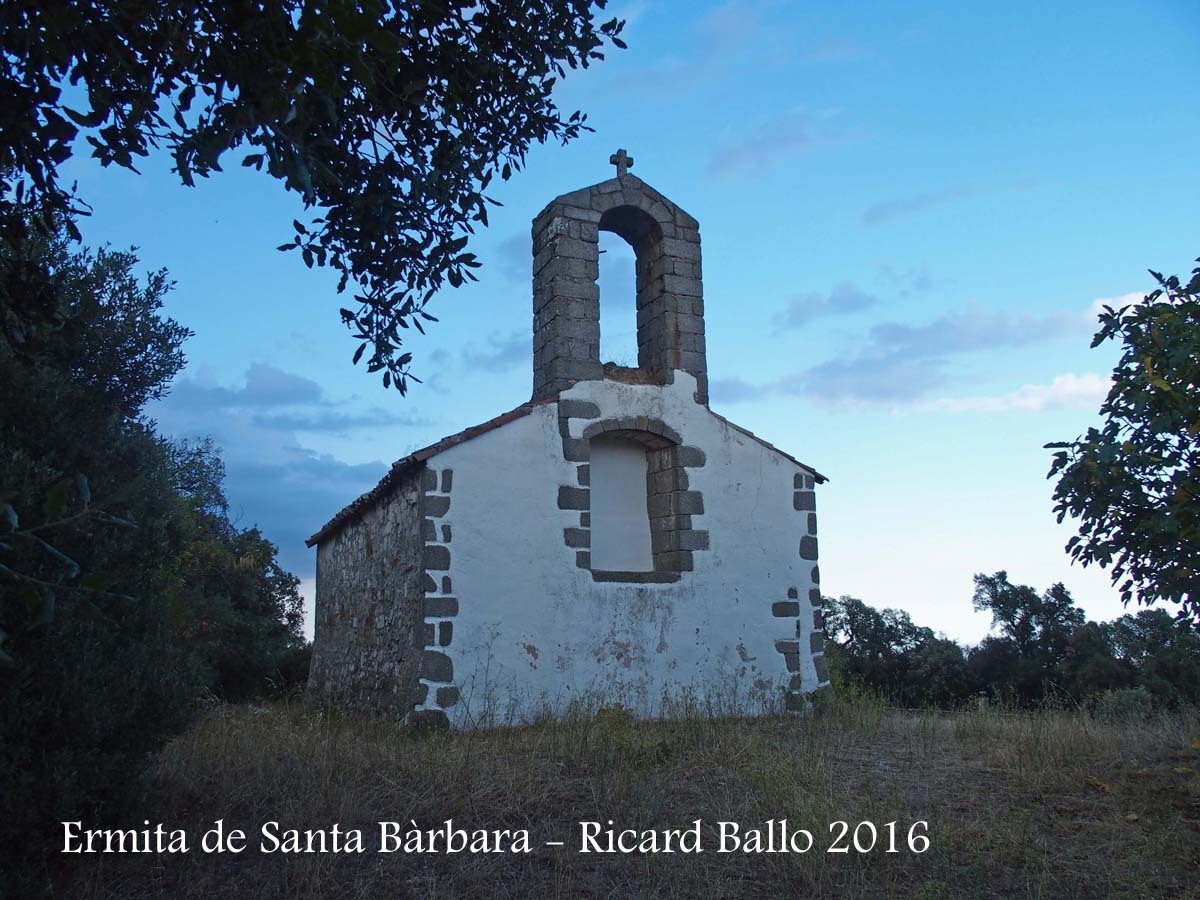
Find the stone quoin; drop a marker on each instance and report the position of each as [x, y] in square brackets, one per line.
[612, 541]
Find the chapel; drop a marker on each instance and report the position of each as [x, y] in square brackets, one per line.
[612, 542]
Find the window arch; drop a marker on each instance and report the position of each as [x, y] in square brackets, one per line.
[637, 508]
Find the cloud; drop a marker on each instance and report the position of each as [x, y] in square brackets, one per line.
[888, 210]
[735, 390]
[884, 378]
[1097, 306]
[922, 201]
[265, 386]
[719, 39]
[291, 496]
[763, 147]
[273, 481]
[843, 299]
[909, 280]
[502, 352]
[335, 421]
[968, 331]
[901, 363]
[514, 257]
[1067, 391]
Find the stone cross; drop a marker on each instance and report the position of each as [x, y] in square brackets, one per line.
[622, 160]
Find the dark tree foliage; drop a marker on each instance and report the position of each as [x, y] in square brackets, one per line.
[1035, 624]
[1036, 630]
[126, 595]
[1160, 653]
[389, 118]
[885, 651]
[1134, 483]
[1046, 652]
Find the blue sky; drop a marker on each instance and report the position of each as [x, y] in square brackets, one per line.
[908, 215]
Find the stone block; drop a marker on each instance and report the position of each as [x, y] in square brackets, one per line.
[583, 559]
[436, 666]
[447, 480]
[439, 607]
[437, 558]
[434, 505]
[446, 534]
[786, 647]
[428, 480]
[802, 500]
[822, 668]
[578, 537]
[683, 287]
[573, 248]
[793, 593]
[576, 450]
[445, 633]
[673, 561]
[814, 597]
[583, 474]
[785, 609]
[670, 523]
[691, 457]
[681, 249]
[573, 497]
[668, 480]
[447, 696]
[578, 409]
[808, 547]
[816, 641]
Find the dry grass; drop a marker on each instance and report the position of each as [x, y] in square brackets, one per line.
[1050, 804]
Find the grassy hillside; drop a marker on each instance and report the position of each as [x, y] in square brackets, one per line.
[1047, 804]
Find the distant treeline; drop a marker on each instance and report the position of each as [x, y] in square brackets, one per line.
[1046, 653]
[127, 595]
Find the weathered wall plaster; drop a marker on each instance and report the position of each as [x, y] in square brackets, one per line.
[536, 631]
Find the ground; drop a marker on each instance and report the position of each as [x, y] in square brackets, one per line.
[1018, 804]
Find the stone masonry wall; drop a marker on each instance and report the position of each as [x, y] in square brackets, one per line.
[369, 607]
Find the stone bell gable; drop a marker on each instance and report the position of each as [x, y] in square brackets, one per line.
[566, 297]
[612, 541]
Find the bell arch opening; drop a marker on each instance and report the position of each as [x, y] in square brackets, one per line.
[625, 229]
[618, 301]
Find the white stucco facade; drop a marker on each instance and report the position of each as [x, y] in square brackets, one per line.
[534, 631]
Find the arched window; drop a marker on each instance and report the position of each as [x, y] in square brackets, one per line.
[620, 518]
